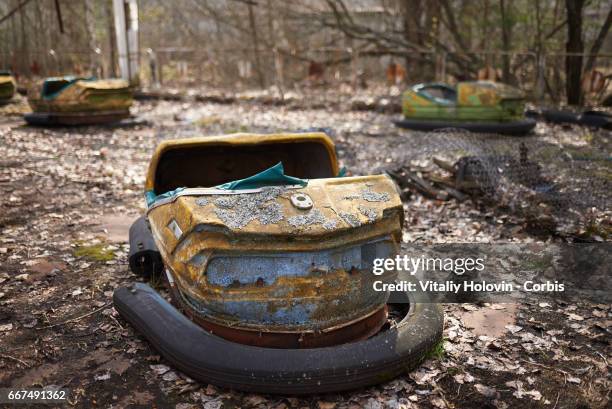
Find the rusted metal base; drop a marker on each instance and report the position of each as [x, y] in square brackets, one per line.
[359, 330]
[353, 331]
[75, 118]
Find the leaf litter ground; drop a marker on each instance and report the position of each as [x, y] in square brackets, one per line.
[69, 195]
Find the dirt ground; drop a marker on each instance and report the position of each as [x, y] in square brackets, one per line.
[70, 194]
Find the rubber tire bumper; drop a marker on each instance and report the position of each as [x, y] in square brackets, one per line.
[144, 258]
[39, 119]
[596, 119]
[74, 119]
[560, 117]
[505, 128]
[208, 358]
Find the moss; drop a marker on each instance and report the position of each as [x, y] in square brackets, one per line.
[437, 351]
[96, 252]
[240, 129]
[452, 370]
[538, 263]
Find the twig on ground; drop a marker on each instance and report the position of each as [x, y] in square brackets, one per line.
[556, 401]
[75, 318]
[12, 358]
[441, 392]
[547, 367]
[602, 357]
[116, 321]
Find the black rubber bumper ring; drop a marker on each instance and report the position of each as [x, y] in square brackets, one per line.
[208, 358]
[505, 128]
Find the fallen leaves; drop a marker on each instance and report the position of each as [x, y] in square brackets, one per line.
[513, 328]
[6, 327]
[81, 177]
[170, 376]
[159, 369]
[103, 377]
[520, 392]
[424, 375]
[464, 378]
[486, 390]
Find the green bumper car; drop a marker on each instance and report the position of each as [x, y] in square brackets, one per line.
[481, 106]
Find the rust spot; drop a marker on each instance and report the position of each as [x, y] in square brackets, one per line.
[355, 331]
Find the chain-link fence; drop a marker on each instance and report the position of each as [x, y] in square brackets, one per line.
[541, 77]
[52, 63]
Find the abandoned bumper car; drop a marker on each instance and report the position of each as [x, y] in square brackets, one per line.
[272, 274]
[78, 101]
[7, 86]
[481, 106]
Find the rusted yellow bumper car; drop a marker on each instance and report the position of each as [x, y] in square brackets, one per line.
[7, 86]
[78, 101]
[268, 255]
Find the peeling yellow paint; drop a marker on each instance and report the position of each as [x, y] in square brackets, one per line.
[334, 222]
[82, 96]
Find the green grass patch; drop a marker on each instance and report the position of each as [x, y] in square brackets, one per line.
[453, 370]
[96, 252]
[157, 281]
[437, 352]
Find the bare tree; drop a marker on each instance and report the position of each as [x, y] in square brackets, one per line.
[603, 33]
[574, 48]
[505, 12]
[256, 49]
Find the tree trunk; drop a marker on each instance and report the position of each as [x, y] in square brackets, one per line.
[256, 51]
[278, 59]
[539, 83]
[40, 54]
[574, 48]
[485, 43]
[506, 26]
[90, 29]
[13, 64]
[411, 13]
[25, 52]
[112, 71]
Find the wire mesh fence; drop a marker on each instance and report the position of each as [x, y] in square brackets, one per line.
[541, 77]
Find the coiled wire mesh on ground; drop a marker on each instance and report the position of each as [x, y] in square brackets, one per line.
[560, 181]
